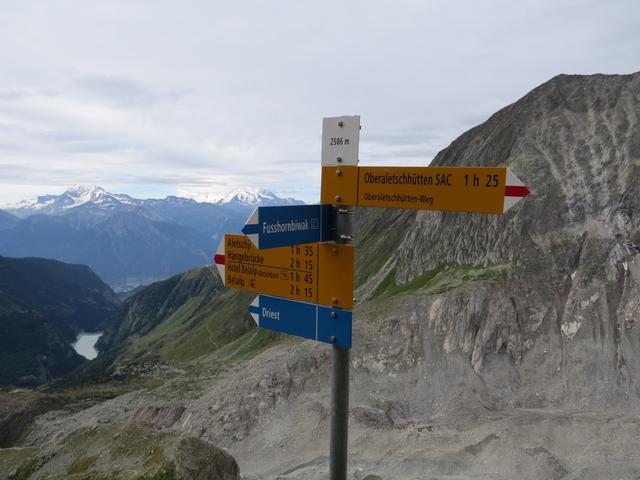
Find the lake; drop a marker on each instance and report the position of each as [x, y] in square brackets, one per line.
[84, 344]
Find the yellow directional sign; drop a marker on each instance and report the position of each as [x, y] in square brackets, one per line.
[455, 189]
[312, 272]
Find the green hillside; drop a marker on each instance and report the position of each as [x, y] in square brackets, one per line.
[44, 304]
[183, 318]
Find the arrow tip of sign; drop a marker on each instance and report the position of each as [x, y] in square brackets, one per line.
[515, 190]
[255, 239]
[250, 228]
[254, 310]
[512, 180]
[253, 218]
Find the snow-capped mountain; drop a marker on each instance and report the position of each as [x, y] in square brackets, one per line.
[244, 196]
[76, 196]
[97, 198]
[255, 197]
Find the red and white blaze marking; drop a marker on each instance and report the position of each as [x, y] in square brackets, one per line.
[514, 191]
[218, 259]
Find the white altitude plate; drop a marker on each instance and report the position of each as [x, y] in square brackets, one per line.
[340, 141]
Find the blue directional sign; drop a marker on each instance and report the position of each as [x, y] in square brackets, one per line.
[271, 227]
[308, 320]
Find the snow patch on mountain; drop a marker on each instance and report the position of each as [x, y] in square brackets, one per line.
[95, 194]
[33, 203]
[245, 196]
[78, 195]
[73, 197]
[248, 196]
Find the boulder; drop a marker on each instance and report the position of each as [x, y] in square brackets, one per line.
[199, 460]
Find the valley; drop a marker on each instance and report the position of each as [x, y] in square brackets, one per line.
[44, 305]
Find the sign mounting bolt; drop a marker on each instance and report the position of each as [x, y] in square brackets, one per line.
[339, 159]
[340, 123]
[333, 339]
[333, 314]
[334, 300]
[338, 172]
[338, 198]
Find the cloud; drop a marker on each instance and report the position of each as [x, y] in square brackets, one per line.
[123, 91]
[11, 94]
[156, 97]
[403, 137]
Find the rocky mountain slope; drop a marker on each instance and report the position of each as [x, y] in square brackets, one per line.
[44, 304]
[557, 326]
[484, 346]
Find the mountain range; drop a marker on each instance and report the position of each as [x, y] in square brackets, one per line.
[127, 241]
[95, 198]
[485, 346]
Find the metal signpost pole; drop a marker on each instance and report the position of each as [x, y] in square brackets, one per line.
[340, 361]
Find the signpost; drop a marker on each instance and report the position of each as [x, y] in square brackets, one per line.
[447, 189]
[300, 260]
[312, 272]
[307, 320]
[271, 227]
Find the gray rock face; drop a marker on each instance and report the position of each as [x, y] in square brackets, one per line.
[558, 324]
[159, 416]
[17, 411]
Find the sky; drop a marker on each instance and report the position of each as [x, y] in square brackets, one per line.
[155, 98]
